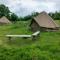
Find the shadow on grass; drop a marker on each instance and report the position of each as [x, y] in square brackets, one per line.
[19, 41]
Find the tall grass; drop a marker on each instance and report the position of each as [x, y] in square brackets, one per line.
[46, 47]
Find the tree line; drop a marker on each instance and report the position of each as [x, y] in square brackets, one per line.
[55, 15]
[4, 11]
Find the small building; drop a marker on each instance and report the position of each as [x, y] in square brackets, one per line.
[4, 20]
[43, 22]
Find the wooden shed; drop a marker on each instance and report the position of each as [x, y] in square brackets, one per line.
[43, 22]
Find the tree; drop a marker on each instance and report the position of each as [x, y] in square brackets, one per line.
[13, 17]
[35, 13]
[27, 17]
[4, 11]
[55, 16]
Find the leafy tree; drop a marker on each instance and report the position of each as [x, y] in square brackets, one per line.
[55, 16]
[35, 14]
[4, 11]
[13, 17]
[28, 17]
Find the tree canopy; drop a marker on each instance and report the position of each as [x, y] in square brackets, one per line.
[13, 17]
[4, 11]
[55, 16]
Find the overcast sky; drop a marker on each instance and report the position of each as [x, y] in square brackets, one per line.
[25, 7]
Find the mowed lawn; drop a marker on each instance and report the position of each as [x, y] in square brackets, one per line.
[46, 47]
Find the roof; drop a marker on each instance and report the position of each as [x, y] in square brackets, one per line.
[44, 20]
[4, 20]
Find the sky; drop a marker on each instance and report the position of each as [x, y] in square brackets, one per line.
[26, 7]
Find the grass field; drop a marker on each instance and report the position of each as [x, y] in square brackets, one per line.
[46, 47]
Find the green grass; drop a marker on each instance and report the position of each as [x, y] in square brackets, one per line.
[58, 21]
[46, 47]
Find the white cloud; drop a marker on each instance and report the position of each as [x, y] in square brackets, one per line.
[25, 7]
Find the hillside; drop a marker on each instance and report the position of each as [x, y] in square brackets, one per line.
[46, 47]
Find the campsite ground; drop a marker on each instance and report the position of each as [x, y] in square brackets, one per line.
[46, 47]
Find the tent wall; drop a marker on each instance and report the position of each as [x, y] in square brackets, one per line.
[34, 26]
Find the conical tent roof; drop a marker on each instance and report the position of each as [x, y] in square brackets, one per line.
[44, 20]
[4, 20]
